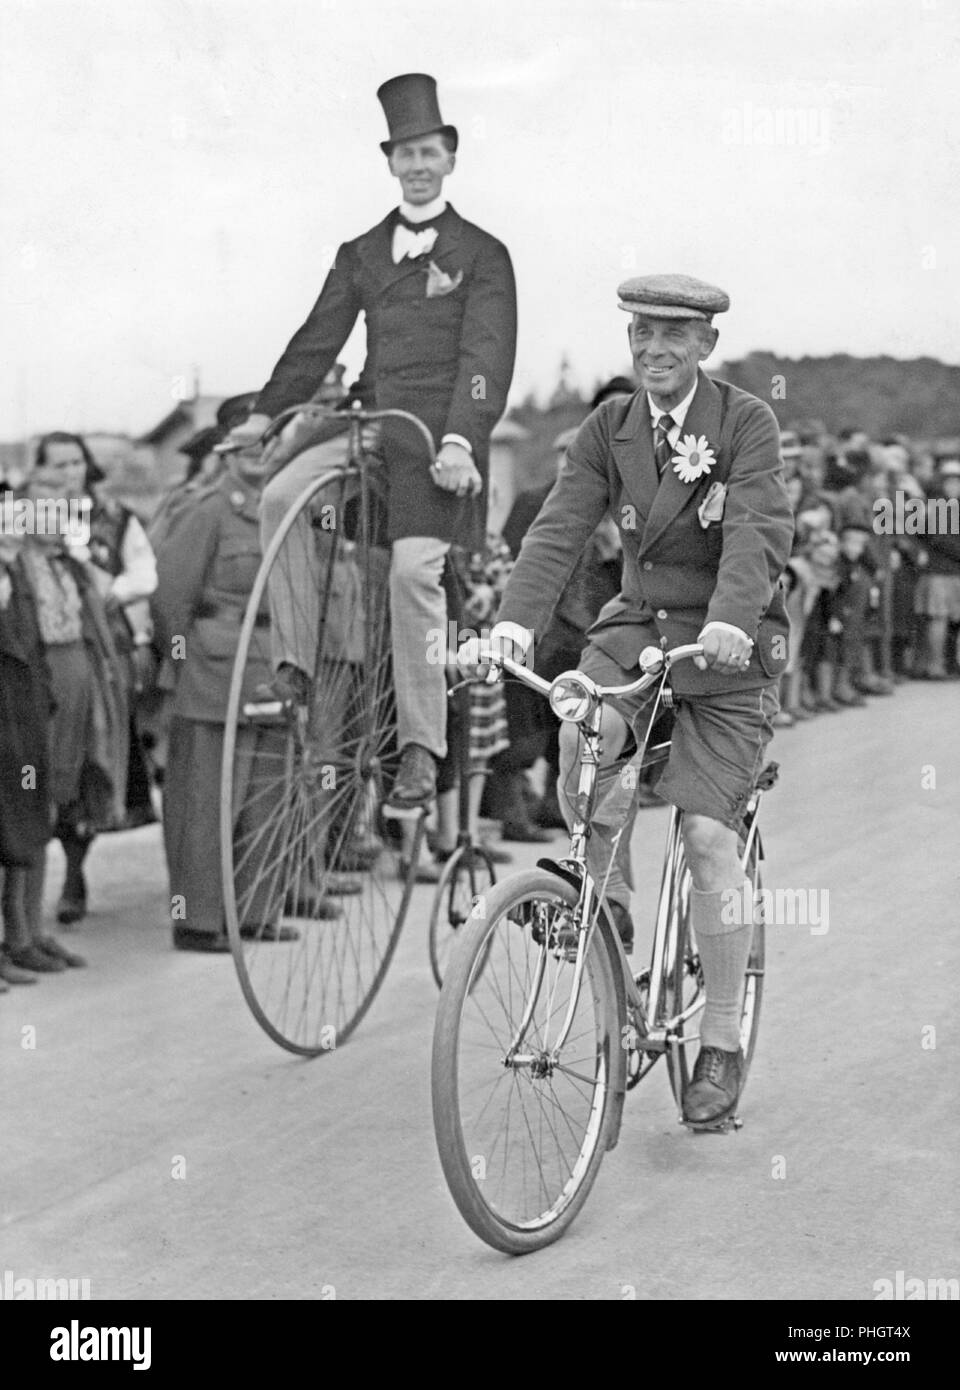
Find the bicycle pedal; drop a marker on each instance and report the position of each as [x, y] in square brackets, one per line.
[731, 1122]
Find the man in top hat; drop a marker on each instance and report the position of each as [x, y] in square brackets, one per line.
[439, 300]
[690, 468]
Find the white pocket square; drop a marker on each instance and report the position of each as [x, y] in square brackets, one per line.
[711, 508]
[439, 282]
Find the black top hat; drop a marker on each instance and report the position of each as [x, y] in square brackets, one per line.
[410, 105]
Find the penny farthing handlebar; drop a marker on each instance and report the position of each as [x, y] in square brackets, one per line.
[357, 416]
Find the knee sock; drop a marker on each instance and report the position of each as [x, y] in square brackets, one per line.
[724, 940]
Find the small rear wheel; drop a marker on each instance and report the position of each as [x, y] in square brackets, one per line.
[467, 875]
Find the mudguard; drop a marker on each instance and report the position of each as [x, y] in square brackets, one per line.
[619, 1060]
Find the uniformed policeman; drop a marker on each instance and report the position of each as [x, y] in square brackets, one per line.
[206, 566]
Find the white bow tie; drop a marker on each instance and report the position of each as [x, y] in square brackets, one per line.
[412, 244]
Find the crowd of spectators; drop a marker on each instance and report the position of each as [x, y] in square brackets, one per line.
[91, 724]
[873, 602]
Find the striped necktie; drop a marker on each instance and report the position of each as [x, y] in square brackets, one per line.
[663, 450]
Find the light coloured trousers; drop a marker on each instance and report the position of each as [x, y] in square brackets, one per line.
[418, 602]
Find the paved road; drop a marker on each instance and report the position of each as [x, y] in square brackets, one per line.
[308, 1177]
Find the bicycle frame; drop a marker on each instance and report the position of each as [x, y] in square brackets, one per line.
[650, 1039]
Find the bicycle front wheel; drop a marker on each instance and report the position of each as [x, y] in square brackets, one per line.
[314, 894]
[522, 1127]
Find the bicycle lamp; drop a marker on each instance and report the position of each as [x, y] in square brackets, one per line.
[573, 696]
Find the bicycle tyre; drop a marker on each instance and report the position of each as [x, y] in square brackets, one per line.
[450, 909]
[298, 796]
[486, 975]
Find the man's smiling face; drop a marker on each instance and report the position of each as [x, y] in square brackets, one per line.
[667, 353]
[421, 165]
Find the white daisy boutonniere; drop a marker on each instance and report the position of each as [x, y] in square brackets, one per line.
[694, 458]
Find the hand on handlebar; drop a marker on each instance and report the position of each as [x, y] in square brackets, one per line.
[478, 655]
[455, 471]
[725, 651]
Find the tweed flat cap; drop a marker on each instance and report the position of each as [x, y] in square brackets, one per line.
[671, 297]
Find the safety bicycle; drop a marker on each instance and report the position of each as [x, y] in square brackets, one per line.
[542, 1027]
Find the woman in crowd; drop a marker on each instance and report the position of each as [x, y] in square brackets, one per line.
[88, 731]
[126, 575]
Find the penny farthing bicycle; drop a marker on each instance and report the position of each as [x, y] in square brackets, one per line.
[314, 893]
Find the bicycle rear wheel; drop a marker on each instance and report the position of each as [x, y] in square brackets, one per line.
[467, 875]
[683, 985]
[313, 896]
[521, 1133]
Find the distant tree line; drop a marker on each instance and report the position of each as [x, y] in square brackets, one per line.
[882, 395]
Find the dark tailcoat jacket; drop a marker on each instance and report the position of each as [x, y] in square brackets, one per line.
[446, 355]
[678, 573]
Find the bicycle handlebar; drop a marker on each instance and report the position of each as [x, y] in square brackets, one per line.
[655, 663]
[356, 413]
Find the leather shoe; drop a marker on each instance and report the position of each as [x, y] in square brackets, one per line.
[188, 939]
[72, 906]
[32, 958]
[874, 685]
[51, 947]
[850, 698]
[416, 782]
[12, 974]
[714, 1087]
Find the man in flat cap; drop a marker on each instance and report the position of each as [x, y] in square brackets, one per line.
[690, 468]
[439, 299]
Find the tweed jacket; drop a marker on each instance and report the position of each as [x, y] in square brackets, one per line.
[681, 569]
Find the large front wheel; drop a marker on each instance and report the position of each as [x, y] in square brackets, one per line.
[521, 1125]
[314, 892]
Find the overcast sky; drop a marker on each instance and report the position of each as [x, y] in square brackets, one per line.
[177, 173]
